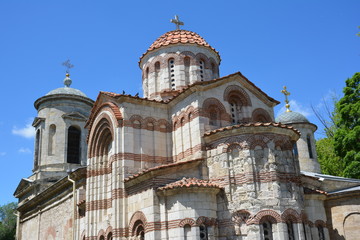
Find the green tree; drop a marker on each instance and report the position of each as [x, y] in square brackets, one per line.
[330, 163]
[7, 221]
[347, 133]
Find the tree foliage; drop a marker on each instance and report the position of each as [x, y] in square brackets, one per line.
[330, 163]
[347, 134]
[339, 152]
[7, 221]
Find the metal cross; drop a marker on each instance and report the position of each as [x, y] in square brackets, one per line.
[68, 65]
[286, 93]
[177, 22]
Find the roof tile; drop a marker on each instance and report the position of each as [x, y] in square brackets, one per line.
[190, 182]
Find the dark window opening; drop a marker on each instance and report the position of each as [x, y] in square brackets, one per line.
[203, 232]
[308, 139]
[73, 146]
[290, 230]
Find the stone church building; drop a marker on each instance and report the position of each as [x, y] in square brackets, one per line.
[199, 156]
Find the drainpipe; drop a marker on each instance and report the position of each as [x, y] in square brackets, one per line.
[74, 207]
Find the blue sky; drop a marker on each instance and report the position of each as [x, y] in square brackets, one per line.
[310, 46]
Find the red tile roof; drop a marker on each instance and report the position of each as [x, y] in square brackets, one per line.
[190, 182]
[179, 37]
[256, 124]
[160, 167]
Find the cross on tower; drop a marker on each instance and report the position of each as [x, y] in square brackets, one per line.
[177, 22]
[68, 65]
[286, 93]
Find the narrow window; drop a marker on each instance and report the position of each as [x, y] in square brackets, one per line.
[157, 72]
[267, 231]
[213, 117]
[295, 150]
[147, 73]
[235, 111]
[308, 139]
[52, 144]
[203, 232]
[102, 238]
[321, 233]
[290, 230]
[213, 69]
[37, 150]
[304, 229]
[202, 69]
[187, 232]
[73, 146]
[109, 236]
[187, 70]
[171, 69]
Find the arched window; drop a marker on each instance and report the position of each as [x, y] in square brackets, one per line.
[290, 229]
[139, 230]
[187, 232]
[202, 69]
[157, 72]
[203, 232]
[52, 144]
[308, 139]
[73, 145]
[101, 237]
[321, 232]
[267, 230]
[37, 149]
[171, 69]
[187, 70]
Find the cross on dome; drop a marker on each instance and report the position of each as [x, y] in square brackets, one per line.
[286, 93]
[68, 65]
[177, 22]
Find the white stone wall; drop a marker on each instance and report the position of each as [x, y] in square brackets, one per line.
[55, 221]
[306, 163]
[53, 111]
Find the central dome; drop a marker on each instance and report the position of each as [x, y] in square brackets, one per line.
[179, 36]
[176, 60]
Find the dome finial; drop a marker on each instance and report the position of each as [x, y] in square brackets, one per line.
[68, 65]
[286, 93]
[177, 22]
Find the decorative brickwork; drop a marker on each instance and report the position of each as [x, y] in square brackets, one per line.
[265, 215]
[137, 216]
[241, 216]
[291, 215]
[100, 136]
[320, 223]
[187, 221]
[98, 204]
[234, 91]
[137, 122]
[260, 115]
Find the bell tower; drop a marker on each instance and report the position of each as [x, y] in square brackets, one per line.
[60, 139]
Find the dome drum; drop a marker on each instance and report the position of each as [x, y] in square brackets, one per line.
[173, 62]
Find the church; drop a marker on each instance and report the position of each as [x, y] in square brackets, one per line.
[199, 156]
